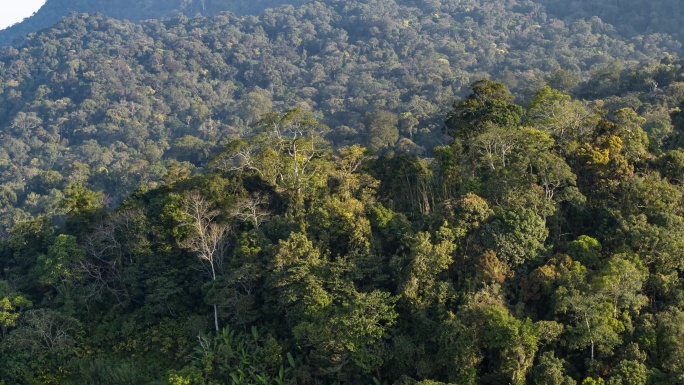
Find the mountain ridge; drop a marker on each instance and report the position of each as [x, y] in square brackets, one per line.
[630, 19]
[54, 10]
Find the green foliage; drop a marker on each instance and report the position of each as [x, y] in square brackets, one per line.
[586, 250]
[53, 10]
[669, 329]
[516, 237]
[58, 266]
[397, 268]
[539, 245]
[11, 306]
[189, 375]
[593, 381]
[382, 129]
[109, 371]
[550, 371]
[489, 103]
[565, 119]
[237, 358]
[629, 19]
[629, 372]
[37, 351]
[425, 284]
[175, 91]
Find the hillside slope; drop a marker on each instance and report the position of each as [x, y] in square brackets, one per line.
[541, 246]
[111, 103]
[134, 10]
[337, 193]
[631, 17]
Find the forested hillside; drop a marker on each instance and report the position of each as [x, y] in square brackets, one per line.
[133, 10]
[631, 17]
[541, 245]
[111, 103]
[409, 192]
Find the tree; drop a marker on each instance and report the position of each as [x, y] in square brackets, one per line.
[351, 163]
[82, 205]
[550, 370]
[557, 180]
[239, 357]
[495, 146]
[208, 238]
[381, 129]
[586, 250]
[59, 268]
[669, 331]
[671, 166]
[424, 285]
[565, 119]
[12, 304]
[590, 321]
[409, 180]
[251, 209]
[350, 333]
[343, 329]
[254, 104]
[489, 103]
[516, 236]
[506, 345]
[629, 372]
[40, 346]
[634, 139]
[297, 278]
[288, 151]
[621, 281]
[563, 79]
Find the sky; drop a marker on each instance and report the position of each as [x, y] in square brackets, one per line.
[14, 11]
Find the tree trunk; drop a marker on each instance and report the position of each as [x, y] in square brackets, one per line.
[213, 273]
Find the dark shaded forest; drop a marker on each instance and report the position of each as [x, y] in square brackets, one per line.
[343, 192]
[628, 17]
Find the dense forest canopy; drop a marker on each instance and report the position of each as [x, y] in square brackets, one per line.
[410, 192]
[111, 103]
[541, 245]
[631, 17]
[133, 10]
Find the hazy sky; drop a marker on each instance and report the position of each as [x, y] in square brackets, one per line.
[14, 11]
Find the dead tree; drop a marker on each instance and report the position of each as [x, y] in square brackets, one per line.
[208, 239]
[251, 209]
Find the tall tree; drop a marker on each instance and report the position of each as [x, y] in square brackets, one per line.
[208, 238]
